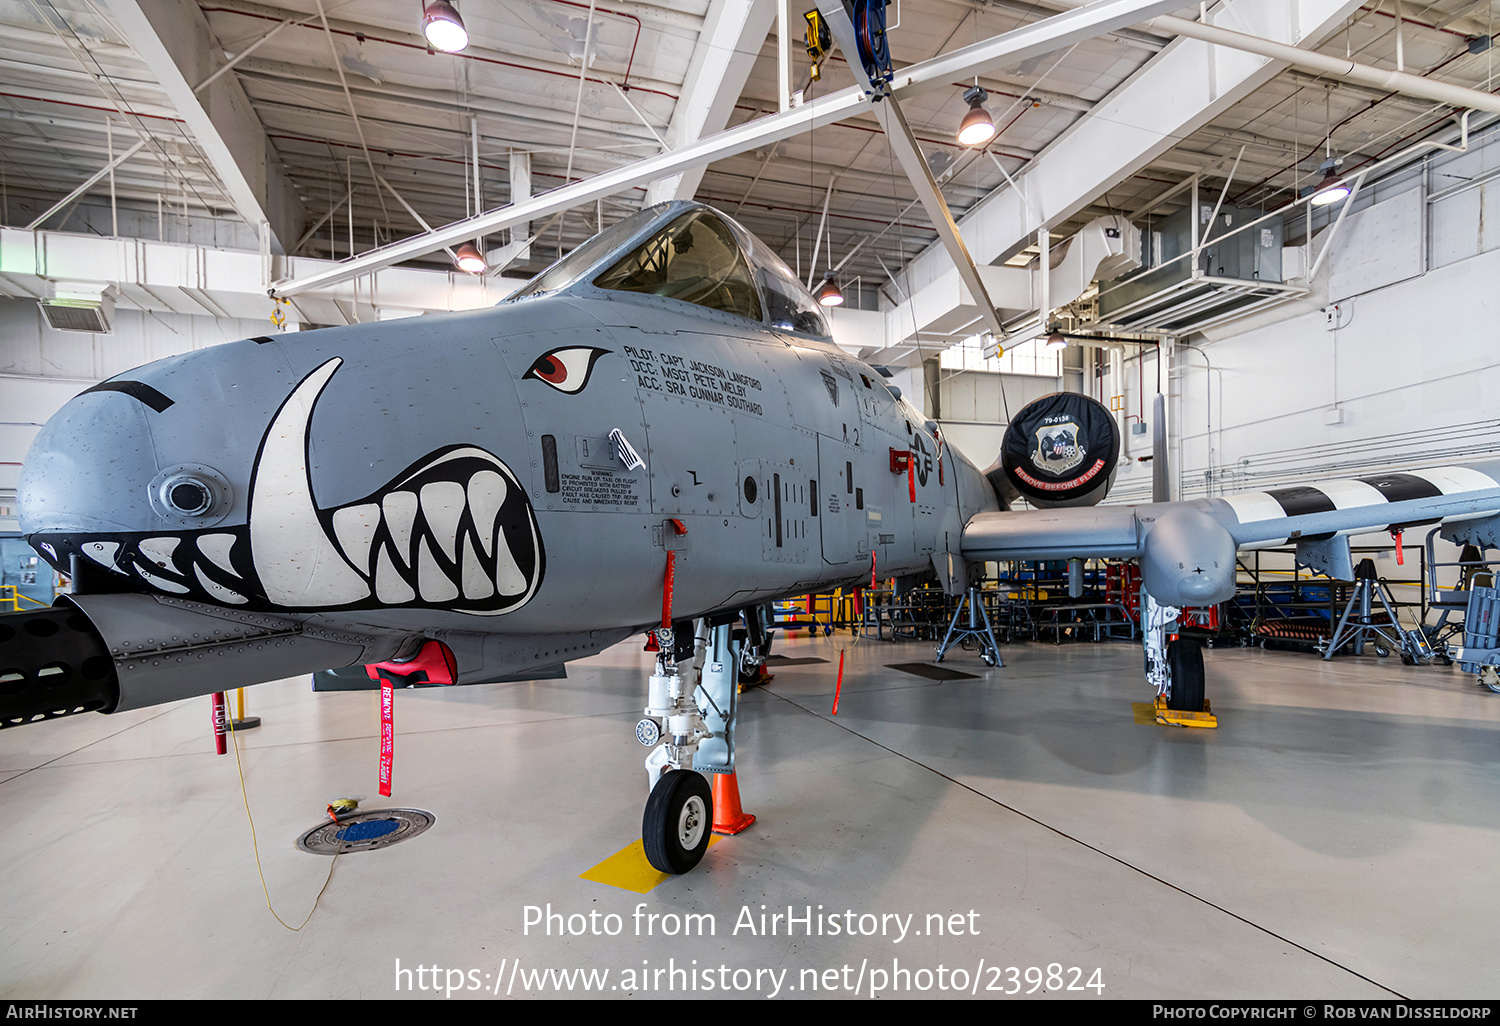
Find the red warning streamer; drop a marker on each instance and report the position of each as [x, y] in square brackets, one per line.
[911, 481]
[666, 591]
[221, 720]
[387, 734]
[838, 688]
[872, 568]
[1399, 560]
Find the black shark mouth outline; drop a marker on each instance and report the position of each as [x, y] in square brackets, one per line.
[453, 531]
[567, 368]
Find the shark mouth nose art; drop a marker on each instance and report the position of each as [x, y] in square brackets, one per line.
[455, 530]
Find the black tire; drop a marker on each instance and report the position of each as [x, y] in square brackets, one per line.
[678, 822]
[1185, 660]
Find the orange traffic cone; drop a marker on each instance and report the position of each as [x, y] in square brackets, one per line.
[729, 818]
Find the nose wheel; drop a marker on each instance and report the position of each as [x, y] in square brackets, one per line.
[679, 818]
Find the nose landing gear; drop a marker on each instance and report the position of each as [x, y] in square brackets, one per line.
[691, 708]
[1174, 668]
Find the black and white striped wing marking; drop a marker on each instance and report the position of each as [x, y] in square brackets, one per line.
[1383, 502]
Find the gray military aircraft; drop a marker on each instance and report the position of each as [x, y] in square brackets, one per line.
[656, 430]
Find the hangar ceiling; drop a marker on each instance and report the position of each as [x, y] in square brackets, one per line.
[338, 126]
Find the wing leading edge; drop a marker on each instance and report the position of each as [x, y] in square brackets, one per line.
[1187, 549]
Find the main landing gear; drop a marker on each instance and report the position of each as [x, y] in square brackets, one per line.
[691, 707]
[1175, 668]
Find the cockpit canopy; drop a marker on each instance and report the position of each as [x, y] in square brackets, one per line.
[693, 254]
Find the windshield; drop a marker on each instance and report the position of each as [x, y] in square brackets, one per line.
[789, 306]
[695, 259]
[571, 267]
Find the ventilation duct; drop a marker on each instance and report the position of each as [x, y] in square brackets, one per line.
[79, 307]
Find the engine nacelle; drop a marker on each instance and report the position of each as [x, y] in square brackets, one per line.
[1060, 450]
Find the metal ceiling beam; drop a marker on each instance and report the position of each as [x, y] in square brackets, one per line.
[173, 38]
[732, 37]
[1178, 92]
[903, 142]
[1340, 68]
[1029, 41]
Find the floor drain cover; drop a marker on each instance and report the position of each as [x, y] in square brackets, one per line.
[365, 831]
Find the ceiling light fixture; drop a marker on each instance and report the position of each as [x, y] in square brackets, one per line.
[1332, 188]
[977, 128]
[1057, 340]
[829, 294]
[469, 259]
[443, 27]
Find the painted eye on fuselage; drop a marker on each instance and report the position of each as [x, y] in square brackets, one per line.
[566, 369]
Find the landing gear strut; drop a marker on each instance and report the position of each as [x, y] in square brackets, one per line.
[692, 705]
[1174, 668]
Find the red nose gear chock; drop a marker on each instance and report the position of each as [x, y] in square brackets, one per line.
[434, 663]
[1399, 560]
[220, 721]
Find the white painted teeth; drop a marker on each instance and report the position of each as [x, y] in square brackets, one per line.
[217, 547]
[102, 553]
[402, 574]
[354, 527]
[390, 587]
[217, 590]
[400, 512]
[476, 584]
[441, 543]
[442, 504]
[161, 582]
[159, 550]
[486, 495]
[435, 585]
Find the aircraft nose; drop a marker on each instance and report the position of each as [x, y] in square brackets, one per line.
[88, 469]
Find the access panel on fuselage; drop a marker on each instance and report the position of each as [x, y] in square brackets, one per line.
[575, 464]
[841, 497]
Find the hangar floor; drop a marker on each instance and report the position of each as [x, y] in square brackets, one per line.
[1336, 836]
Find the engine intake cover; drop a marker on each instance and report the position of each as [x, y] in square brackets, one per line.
[1060, 450]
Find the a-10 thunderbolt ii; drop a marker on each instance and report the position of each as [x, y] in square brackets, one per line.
[656, 430]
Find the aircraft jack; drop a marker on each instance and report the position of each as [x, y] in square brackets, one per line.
[1181, 717]
[989, 650]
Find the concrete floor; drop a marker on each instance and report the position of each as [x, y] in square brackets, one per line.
[1336, 836]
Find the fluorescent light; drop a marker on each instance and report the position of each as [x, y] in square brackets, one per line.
[443, 27]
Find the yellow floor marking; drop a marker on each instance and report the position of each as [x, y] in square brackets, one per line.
[628, 869]
[1145, 712]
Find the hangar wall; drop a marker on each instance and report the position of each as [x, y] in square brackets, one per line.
[1392, 361]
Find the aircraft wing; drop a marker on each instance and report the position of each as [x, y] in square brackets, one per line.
[1187, 549]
